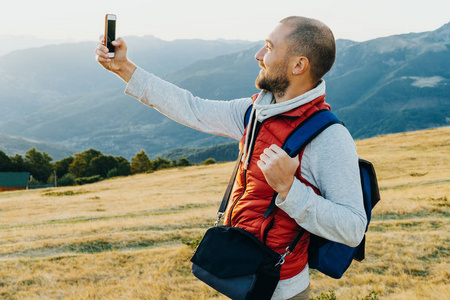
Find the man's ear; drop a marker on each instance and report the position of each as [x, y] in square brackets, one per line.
[301, 65]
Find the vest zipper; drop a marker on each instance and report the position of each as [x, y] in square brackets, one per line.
[251, 147]
[239, 198]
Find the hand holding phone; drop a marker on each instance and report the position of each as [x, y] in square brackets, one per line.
[110, 33]
[105, 51]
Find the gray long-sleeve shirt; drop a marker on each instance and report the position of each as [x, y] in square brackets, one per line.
[329, 162]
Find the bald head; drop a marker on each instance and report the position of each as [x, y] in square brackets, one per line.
[314, 40]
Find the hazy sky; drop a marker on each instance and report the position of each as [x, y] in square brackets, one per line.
[358, 20]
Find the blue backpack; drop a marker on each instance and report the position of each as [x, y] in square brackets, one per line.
[328, 257]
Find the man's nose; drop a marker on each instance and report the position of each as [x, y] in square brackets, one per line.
[260, 54]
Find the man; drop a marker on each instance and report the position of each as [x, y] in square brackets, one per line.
[319, 190]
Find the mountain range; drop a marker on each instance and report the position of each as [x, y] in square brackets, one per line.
[58, 96]
[12, 43]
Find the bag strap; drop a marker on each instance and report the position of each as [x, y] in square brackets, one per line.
[227, 194]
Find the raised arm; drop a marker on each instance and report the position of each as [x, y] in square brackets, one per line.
[210, 116]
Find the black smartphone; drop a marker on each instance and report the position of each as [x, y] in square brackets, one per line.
[110, 33]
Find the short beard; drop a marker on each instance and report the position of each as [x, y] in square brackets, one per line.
[276, 82]
[276, 85]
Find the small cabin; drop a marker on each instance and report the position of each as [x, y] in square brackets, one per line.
[14, 181]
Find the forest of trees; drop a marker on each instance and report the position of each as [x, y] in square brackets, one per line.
[86, 167]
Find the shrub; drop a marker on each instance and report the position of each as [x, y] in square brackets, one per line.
[323, 296]
[332, 296]
[113, 173]
[209, 161]
[192, 243]
[66, 180]
[161, 163]
[85, 180]
[183, 162]
[372, 296]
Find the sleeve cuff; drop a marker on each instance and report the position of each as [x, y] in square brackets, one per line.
[296, 201]
[136, 86]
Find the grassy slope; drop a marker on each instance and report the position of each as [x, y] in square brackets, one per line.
[123, 238]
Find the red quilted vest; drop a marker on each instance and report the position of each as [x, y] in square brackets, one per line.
[252, 194]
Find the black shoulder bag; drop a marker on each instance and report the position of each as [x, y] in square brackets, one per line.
[234, 262]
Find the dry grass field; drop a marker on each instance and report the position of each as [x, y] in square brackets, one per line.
[126, 238]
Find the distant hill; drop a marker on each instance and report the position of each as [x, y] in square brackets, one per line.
[393, 84]
[59, 94]
[12, 43]
[19, 145]
[220, 153]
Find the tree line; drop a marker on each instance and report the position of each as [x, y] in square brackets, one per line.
[85, 167]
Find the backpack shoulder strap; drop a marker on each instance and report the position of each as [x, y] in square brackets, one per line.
[308, 130]
[297, 140]
[249, 110]
[304, 134]
[247, 115]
